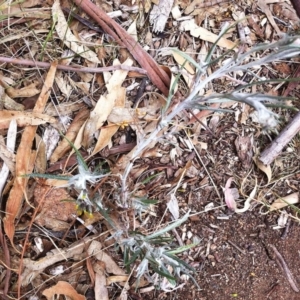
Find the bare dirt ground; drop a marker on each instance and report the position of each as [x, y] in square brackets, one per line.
[245, 256]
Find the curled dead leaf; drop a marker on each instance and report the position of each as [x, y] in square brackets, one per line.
[266, 169]
[230, 195]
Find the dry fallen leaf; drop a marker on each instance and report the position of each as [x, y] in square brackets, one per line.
[69, 39]
[71, 135]
[173, 206]
[101, 292]
[230, 194]
[7, 155]
[114, 98]
[205, 35]
[266, 169]
[182, 61]
[62, 288]
[24, 118]
[285, 201]
[7, 102]
[27, 91]
[10, 144]
[23, 166]
[32, 268]
[110, 265]
[160, 14]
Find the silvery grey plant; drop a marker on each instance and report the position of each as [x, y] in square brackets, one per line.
[287, 47]
[155, 255]
[79, 183]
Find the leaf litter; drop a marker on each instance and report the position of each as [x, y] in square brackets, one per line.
[178, 159]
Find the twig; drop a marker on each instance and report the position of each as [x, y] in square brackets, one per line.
[236, 247]
[180, 242]
[6, 261]
[282, 264]
[269, 154]
[41, 64]
[199, 121]
[272, 289]
[27, 237]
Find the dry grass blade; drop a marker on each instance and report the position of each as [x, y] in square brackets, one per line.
[15, 198]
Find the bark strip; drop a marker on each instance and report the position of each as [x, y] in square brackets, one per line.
[156, 74]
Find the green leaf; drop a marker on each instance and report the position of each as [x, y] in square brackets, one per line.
[169, 227]
[47, 176]
[80, 158]
[133, 257]
[164, 273]
[181, 249]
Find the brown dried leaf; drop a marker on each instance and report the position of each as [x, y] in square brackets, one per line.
[27, 91]
[105, 136]
[89, 266]
[71, 134]
[205, 34]
[101, 292]
[116, 278]
[285, 201]
[159, 14]
[33, 268]
[68, 38]
[63, 84]
[110, 265]
[24, 118]
[7, 102]
[266, 169]
[230, 194]
[64, 108]
[15, 197]
[41, 160]
[62, 288]
[181, 60]
[115, 97]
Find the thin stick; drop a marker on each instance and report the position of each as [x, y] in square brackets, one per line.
[282, 264]
[287, 134]
[236, 247]
[7, 261]
[40, 64]
[26, 240]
